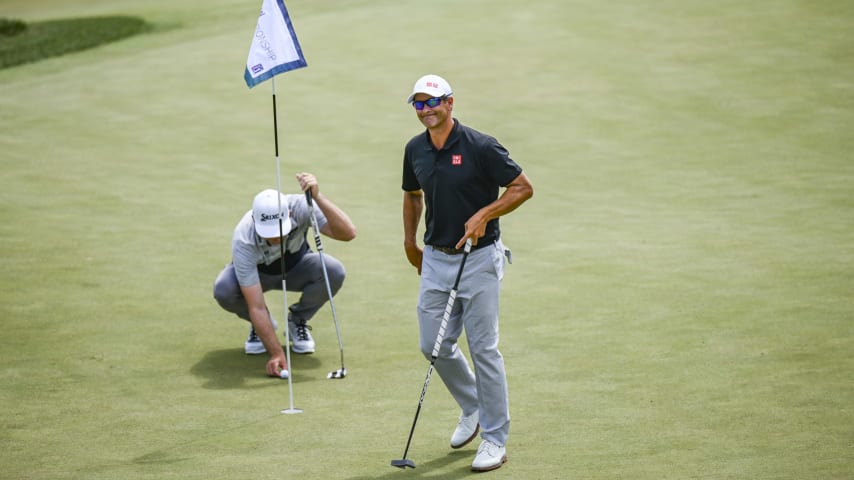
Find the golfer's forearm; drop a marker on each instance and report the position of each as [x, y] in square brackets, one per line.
[412, 208]
[339, 226]
[263, 326]
[515, 194]
[410, 232]
[505, 204]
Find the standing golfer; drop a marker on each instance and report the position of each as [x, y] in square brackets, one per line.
[457, 173]
[256, 267]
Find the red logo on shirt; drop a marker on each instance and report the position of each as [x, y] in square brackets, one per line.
[456, 159]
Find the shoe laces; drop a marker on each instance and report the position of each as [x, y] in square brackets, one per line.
[487, 447]
[302, 331]
[253, 337]
[465, 420]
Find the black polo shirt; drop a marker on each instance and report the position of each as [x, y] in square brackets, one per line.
[458, 180]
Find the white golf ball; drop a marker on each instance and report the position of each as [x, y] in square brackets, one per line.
[283, 374]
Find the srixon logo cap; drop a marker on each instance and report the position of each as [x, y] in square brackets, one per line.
[265, 212]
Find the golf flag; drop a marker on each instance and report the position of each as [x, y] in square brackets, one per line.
[274, 48]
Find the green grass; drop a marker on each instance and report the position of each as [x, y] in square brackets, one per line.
[22, 43]
[680, 300]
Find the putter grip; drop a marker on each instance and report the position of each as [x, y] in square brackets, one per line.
[308, 196]
[450, 305]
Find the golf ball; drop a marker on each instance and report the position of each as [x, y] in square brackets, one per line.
[283, 374]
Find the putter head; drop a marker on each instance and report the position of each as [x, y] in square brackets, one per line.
[340, 373]
[403, 463]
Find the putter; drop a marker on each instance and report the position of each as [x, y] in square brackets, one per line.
[341, 372]
[404, 462]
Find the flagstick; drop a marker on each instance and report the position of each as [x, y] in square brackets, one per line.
[291, 410]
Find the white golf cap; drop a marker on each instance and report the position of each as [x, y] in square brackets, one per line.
[432, 85]
[265, 212]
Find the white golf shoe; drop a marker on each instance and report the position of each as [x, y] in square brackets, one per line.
[489, 457]
[253, 345]
[301, 341]
[466, 430]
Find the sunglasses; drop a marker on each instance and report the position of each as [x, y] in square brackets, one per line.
[430, 102]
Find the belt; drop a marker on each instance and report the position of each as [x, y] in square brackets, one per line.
[457, 251]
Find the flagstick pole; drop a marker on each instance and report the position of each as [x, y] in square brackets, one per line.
[291, 410]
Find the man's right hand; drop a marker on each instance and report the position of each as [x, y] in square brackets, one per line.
[415, 255]
[277, 363]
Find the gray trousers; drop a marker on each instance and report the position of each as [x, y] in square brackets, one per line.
[476, 310]
[306, 277]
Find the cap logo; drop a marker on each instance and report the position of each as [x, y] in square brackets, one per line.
[456, 159]
[267, 217]
[433, 84]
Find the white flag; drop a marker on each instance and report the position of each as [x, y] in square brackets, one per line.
[274, 48]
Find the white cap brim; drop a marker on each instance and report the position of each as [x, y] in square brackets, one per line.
[271, 229]
[433, 92]
[432, 85]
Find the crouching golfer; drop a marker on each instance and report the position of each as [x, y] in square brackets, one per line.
[456, 172]
[256, 268]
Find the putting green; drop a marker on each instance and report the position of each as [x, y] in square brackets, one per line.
[680, 300]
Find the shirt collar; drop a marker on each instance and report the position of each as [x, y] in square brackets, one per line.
[452, 137]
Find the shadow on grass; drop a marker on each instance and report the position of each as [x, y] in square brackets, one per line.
[231, 368]
[428, 469]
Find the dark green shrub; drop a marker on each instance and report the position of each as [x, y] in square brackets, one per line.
[40, 40]
[10, 27]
